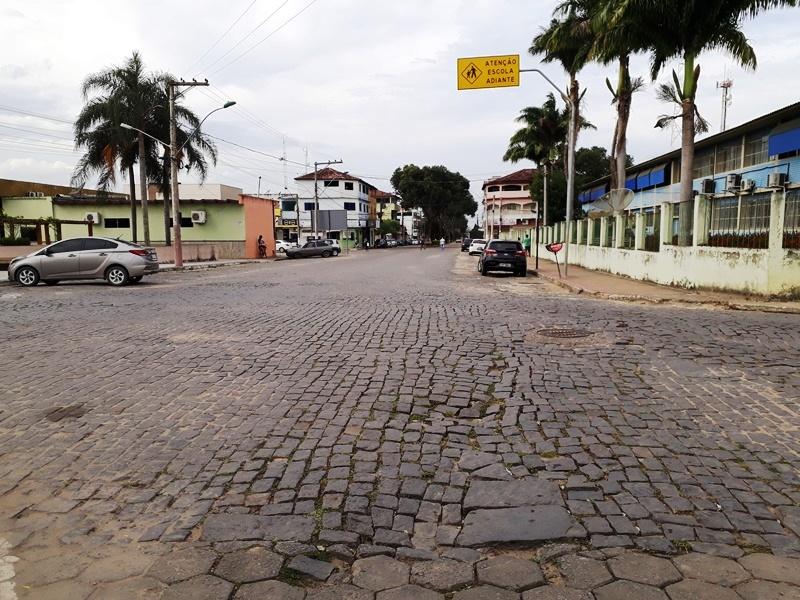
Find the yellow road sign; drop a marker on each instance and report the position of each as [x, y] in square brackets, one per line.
[480, 72]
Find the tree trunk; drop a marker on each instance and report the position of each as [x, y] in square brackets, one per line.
[132, 182]
[167, 193]
[143, 188]
[620, 148]
[687, 148]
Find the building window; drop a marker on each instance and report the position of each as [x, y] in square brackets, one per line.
[755, 212]
[493, 188]
[349, 205]
[185, 222]
[704, 164]
[724, 213]
[512, 188]
[308, 206]
[330, 183]
[526, 187]
[289, 205]
[756, 148]
[348, 185]
[117, 223]
[729, 157]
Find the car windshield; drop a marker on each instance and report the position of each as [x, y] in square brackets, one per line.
[478, 241]
[506, 246]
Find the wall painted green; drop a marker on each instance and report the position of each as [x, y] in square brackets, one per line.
[225, 222]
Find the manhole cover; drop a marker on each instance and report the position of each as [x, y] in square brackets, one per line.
[564, 333]
[74, 411]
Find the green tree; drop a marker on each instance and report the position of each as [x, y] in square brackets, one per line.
[684, 30]
[443, 196]
[128, 94]
[389, 227]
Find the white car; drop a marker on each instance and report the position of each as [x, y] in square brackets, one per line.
[281, 246]
[337, 249]
[476, 247]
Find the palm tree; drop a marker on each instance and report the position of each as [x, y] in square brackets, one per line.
[541, 140]
[569, 41]
[131, 95]
[685, 30]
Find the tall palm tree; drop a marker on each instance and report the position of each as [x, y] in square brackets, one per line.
[684, 30]
[541, 140]
[569, 40]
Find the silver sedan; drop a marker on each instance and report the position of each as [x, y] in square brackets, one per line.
[116, 261]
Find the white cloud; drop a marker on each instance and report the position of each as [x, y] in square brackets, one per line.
[370, 82]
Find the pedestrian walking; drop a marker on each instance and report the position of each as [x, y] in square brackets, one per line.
[527, 245]
[441, 243]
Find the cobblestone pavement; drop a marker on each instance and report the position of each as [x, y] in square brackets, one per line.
[391, 425]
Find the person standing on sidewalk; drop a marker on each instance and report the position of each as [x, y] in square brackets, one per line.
[441, 243]
[527, 245]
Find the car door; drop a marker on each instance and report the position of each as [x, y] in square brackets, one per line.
[95, 257]
[61, 260]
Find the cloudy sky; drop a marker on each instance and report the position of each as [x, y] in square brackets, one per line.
[370, 82]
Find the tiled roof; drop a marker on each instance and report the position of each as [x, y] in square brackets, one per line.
[329, 174]
[521, 176]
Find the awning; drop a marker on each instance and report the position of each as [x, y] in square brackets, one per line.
[785, 138]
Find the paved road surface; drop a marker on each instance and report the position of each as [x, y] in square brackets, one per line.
[391, 403]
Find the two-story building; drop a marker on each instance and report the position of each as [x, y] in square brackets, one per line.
[338, 192]
[508, 209]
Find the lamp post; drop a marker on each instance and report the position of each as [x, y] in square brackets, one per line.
[573, 113]
[174, 153]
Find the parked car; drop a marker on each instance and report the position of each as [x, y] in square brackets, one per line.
[415, 242]
[337, 249]
[381, 243]
[503, 255]
[391, 243]
[282, 246]
[476, 246]
[465, 244]
[116, 261]
[312, 248]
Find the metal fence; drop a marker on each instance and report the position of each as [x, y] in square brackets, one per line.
[791, 221]
[681, 211]
[652, 229]
[629, 231]
[739, 221]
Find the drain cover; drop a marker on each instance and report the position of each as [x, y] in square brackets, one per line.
[73, 411]
[564, 333]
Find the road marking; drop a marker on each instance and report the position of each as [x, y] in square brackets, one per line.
[7, 571]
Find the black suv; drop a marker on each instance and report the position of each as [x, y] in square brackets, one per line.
[465, 243]
[503, 255]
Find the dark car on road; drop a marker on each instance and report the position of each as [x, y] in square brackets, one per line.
[313, 248]
[465, 242]
[503, 255]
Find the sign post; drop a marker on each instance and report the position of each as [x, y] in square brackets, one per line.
[482, 72]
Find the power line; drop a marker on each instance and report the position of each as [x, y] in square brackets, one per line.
[273, 32]
[33, 114]
[256, 28]
[273, 156]
[31, 130]
[220, 38]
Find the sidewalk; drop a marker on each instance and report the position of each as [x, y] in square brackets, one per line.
[192, 266]
[614, 287]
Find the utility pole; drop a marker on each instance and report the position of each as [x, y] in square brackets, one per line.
[173, 145]
[316, 192]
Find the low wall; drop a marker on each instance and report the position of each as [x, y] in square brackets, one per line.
[9, 252]
[202, 251]
[724, 269]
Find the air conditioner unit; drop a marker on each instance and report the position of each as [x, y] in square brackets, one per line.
[748, 185]
[94, 217]
[776, 180]
[199, 217]
[31, 194]
[733, 182]
[40, 194]
[708, 186]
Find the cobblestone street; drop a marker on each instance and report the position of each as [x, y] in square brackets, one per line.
[391, 425]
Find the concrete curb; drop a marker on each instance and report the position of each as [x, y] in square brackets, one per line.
[576, 289]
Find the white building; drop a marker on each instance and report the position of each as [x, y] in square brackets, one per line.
[336, 191]
[509, 210]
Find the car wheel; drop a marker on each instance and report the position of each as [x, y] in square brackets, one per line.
[282, 250]
[484, 272]
[51, 281]
[136, 279]
[336, 253]
[27, 276]
[117, 276]
[326, 254]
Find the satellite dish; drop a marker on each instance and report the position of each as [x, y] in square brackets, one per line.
[600, 208]
[619, 199]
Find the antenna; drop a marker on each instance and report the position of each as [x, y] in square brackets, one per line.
[725, 86]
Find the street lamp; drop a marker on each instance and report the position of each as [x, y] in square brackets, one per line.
[573, 125]
[174, 165]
